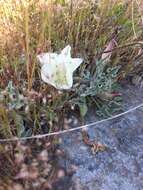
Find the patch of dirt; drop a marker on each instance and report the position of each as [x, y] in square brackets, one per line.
[120, 167]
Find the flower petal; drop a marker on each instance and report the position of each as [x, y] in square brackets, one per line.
[66, 51]
[75, 63]
[46, 58]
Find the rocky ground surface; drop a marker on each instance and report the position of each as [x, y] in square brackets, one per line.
[120, 167]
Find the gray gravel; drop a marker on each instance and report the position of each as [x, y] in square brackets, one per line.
[120, 167]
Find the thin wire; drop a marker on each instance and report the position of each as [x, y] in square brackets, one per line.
[73, 129]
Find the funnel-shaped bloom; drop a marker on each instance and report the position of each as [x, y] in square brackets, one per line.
[57, 69]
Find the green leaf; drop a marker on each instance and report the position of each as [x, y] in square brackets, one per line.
[18, 121]
[26, 133]
[83, 108]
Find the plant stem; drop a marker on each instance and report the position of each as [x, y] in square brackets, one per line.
[27, 44]
[133, 23]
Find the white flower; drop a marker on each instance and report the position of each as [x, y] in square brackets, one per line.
[57, 69]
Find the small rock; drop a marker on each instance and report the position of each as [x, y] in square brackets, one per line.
[43, 156]
[61, 173]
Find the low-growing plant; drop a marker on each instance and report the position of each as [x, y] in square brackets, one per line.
[27, 28]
